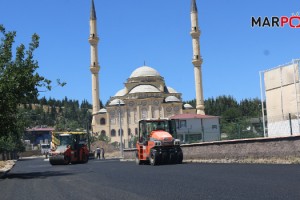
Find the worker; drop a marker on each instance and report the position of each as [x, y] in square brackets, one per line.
[102, 151]
[98, 150]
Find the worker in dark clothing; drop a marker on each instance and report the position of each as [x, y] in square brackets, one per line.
[102, 151]
[98, 150]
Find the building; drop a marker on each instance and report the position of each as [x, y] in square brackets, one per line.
[197, 128]
[282, 97]
[145, 94]
[38, 135]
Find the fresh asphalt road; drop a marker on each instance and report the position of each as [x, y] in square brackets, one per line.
[36, 179]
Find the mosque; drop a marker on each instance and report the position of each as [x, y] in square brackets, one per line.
[145, 93]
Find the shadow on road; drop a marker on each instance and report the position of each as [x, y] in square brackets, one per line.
[33, 175]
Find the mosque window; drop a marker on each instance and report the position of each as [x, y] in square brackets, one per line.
[136, 131]
[129, 131]
[121, 131]
[153, 112]
[135, 116]
[113, 133]
[128, 117]
[176, 108]
[102, 121]
[144, 113]
[169, 109]
[112, 119]
[195, 28]
[103, 133]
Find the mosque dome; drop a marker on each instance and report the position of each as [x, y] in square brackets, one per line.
[121, 92]
[171, 90]
[102, 110]
[144, 71]
[116, 102]
[144, 88]
[172, 99]
[187, 106]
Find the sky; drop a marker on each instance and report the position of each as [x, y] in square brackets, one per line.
[157, 33]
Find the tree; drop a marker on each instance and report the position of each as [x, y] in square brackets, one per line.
[19, 83]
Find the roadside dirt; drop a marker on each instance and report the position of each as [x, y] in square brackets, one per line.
[2, 164]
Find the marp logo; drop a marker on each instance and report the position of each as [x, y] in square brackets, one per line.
[275, 21]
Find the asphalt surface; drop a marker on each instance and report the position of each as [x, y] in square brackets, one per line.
[111, 179]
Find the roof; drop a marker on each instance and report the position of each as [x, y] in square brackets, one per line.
[121, 92]
[102, 110]
[144, 71]
[172, 99]
[188, 106]
[194, 6]
[193, 116]
[143, 89]
[36, 129]
[171, 90]
[116, 102]
[93, 12]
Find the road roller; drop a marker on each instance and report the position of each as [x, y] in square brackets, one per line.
[157, 144]
[68, 147]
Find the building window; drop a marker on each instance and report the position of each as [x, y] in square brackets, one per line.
[102, 121]
[214, 126]
[182, 123]
[129, 132]
[144, 113]
[112, 119]
[128, 117]
[119, 132]
[103, 133]
[135, 116]
[113, 133]
[169, 109]
[153, 112]
[160, 112]
[136, 131]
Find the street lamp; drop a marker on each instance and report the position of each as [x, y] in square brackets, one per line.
[87, 130]
[120, 102]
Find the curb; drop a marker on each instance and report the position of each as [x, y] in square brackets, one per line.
[3, 173]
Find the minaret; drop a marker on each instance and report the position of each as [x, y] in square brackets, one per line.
[197, 60]
[94, 67]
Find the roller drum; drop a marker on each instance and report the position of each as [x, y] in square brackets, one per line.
[59, 160]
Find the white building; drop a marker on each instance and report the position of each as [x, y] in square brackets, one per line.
[282, 95]
[197, 128]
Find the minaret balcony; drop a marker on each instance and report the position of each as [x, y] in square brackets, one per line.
[195, 34]
[95, 69]
[93, 40]
[197, 62]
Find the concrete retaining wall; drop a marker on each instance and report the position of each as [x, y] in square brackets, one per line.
[266, 150]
